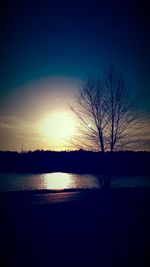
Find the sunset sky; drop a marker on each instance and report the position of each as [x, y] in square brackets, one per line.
[47, 48]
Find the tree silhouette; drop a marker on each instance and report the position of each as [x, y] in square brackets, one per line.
[91, 114]
[108, 119]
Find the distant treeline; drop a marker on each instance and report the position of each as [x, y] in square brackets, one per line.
[121, 163]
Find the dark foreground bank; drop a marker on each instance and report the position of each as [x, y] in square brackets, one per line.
[84, 228]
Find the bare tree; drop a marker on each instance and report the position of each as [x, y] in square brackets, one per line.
[91, 115]
[123, 115]
[107, 117]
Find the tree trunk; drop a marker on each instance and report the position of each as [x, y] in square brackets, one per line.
[106, 184]
[102, 144]
[101, 140]
[112, 147]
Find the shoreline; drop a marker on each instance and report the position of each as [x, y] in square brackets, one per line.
[15, 199]
[88, 228]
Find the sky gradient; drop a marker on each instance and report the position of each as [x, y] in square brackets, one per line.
[47, 48]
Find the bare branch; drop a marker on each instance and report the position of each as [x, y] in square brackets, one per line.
[107, 117]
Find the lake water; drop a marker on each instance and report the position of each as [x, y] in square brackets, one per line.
[56, 181]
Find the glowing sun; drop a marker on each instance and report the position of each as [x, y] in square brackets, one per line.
[57, 127]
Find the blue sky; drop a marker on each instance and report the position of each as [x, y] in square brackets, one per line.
[45, 39]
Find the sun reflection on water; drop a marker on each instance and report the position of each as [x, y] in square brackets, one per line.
[58, 180]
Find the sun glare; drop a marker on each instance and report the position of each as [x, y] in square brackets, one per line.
[58, 180]
[57, 127]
